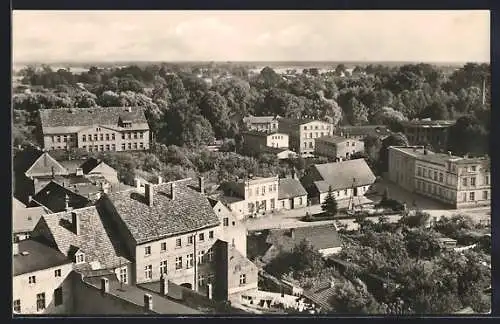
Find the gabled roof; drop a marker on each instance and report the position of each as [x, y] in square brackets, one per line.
[290, 188]
[96, 238]
[25, 219]
[321, 237]
[90, 164]
[71, 165]
[16, 204]
[340, 175]
[53, 196]
[40, 257]
[23, 160]
[189, 211]
[45, 165]
[301, 121]
[54, 119]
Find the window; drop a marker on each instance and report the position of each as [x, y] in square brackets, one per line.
[225, 221]
[210, 278]
[40, 302]
[440, 177]
[84, 138]
[243, 279]
[305, 144]
[141, 145]
[435, 175]
[472, 196]
[84, 147]
[210, 255]
[95, 137]
[270, 188]
[201, 280]
[473, 182]
[163, 246]
[58, 296]
[272, 204]
[425, 172]
[148, 271]
[473, 168]
[178, 263]
[141, 135]
[486, 180]
[57, 273]
[129, 146]
[316, 127]
[113, 136]
[485, 195]
[123, 146]
[123, 135]
[190, 239]
[211, 234]
[345, 192]
[32, 280]
[305, 127]
[464, 196]
[129, 135]
[202, 237]
[17, 305]
[113, 147]
[189, 261]
[163, 267]
[123, 275]
[135, 135]
[282, 204]
[257, 191]
[58, 139]
[263, 191]
[107, 147]
[464, 182]
[274, 187]
[102, 147]
[147, 250]
[178, 242]
[310, 145]
[200, 256]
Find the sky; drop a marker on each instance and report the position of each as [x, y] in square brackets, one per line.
[361, 35]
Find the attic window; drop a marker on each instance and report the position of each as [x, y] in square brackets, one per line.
[79, 258]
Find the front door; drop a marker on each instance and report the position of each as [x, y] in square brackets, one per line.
[291, 203]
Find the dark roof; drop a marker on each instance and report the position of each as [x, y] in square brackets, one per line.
[52, 119]
[290, 188]
[53, 195]
[333, 139]
[367, 130]
[24, 159]
[71, 165]
[262, 133]
[46, 165]
[320, 294]
[321, 237]
[428, 123]
[340, 175]
[135, 295]
[189, 211]
[89, 165]
[40, 257]
[96, 238]
[301, 121]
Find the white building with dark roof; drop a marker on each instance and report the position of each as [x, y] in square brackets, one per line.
[347, 179]
[291, 194]
[95, 129]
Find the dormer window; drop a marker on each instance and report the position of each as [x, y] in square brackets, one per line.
[79, 257]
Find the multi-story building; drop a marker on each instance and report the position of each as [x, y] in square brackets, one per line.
[262, 123]
[428, 132]
[337, 147]
[351, 178]
[303, 132]
[170, 230]
[254, 141]
[40, 282]
[253, 197]
[95, 129]
[457, 181]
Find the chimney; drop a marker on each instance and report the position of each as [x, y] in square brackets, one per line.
[104, 285]
[425, 151]
[201, 184]
[149, 190]
[76, 222]
[172, 190]
[163, 285]
[15, 248]
[129, 109]
[66, 202]
[210, 291]
[160, 180]
[148, 302]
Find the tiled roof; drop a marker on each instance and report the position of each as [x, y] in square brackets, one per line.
[321, 237]
[320, 294]
[367, 130]
[40, 257]
[71, 165]
[25, 219]
[290, 188]
[333, 139]
[53, 196]
[189, 211]
[96, 239]
[340, 175]
[54, 119]
[45, 165]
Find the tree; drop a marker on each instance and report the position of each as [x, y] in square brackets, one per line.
[468, 136]
[397, 139]
[339, 69]
[349, 300]
[214, 108]
[329, 206]
[419, 219]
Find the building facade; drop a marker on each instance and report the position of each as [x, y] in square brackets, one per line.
[254, 141]
[303, 132]
[261, 123]
[428, 132]
[95, 129]
[40, 282]
[292, 194]
[338, 148]
[461, 182]
[361, 132]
